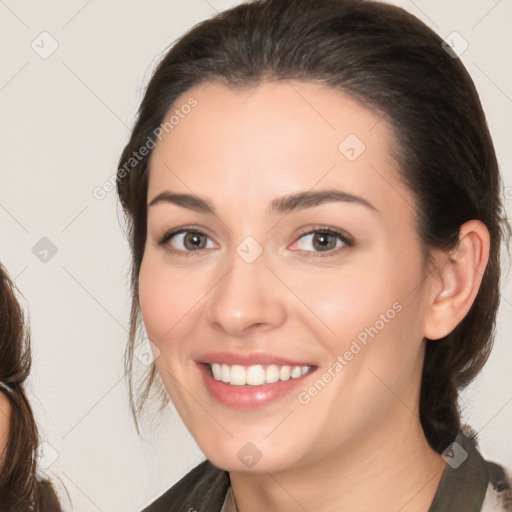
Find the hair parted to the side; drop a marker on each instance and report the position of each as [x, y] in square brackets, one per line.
[20, 490]
[17, 473]
[392, 63]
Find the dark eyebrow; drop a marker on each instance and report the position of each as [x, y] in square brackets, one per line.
[298, 201]
[310, 199]
[184, 200]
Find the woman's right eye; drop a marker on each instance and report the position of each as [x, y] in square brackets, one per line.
[185, 241]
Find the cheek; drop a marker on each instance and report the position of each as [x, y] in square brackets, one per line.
[373, 304]
[154, 302]
[166, 299]
[347, 302]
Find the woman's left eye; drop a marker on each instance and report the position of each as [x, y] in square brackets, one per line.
[324, 240]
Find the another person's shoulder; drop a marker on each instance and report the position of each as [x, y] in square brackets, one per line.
[203, 489]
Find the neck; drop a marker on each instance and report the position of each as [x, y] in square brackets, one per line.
[393, 468]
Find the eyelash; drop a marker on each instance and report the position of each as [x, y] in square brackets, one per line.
[347, 240]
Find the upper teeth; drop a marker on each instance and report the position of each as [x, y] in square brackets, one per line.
[256, 375]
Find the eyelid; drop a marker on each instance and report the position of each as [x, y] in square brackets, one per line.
[345, 237]
[168, 235]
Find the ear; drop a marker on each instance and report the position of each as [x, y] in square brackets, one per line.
[458, 277]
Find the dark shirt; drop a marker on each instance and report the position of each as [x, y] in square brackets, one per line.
[468, 484]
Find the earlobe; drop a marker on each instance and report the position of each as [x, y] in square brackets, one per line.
[459, 275]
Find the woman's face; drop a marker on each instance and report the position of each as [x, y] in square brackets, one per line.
[5, 411]
[268, 272]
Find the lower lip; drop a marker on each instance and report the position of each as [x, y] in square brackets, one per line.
[248, 397]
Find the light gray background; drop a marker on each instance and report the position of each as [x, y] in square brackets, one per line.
[64, 122]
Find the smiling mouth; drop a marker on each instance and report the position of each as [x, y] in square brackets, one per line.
[256, 375]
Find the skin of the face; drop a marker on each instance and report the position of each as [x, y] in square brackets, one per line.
[5, 412]
[239, 150]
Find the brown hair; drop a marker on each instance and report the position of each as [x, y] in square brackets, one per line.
[393, 64]
[19, 487]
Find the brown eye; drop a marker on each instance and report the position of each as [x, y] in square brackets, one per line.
[193, 240]
[185, 241]
[323, 241]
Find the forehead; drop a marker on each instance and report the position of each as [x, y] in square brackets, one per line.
[273, 139]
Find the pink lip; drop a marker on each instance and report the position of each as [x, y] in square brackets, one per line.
[248, 397]
[248, 359]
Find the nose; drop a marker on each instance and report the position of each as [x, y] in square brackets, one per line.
[247, 297]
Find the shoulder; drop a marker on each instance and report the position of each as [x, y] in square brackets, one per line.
[202, 489]
[498, 495]
[470, 482]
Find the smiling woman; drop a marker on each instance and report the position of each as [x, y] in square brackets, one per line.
[316, 260]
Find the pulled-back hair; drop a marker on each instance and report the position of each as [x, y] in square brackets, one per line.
[393, 64]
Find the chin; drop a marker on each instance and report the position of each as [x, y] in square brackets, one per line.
[250, 453]
[232, 463]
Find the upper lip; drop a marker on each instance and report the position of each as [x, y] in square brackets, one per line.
[249, 359]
